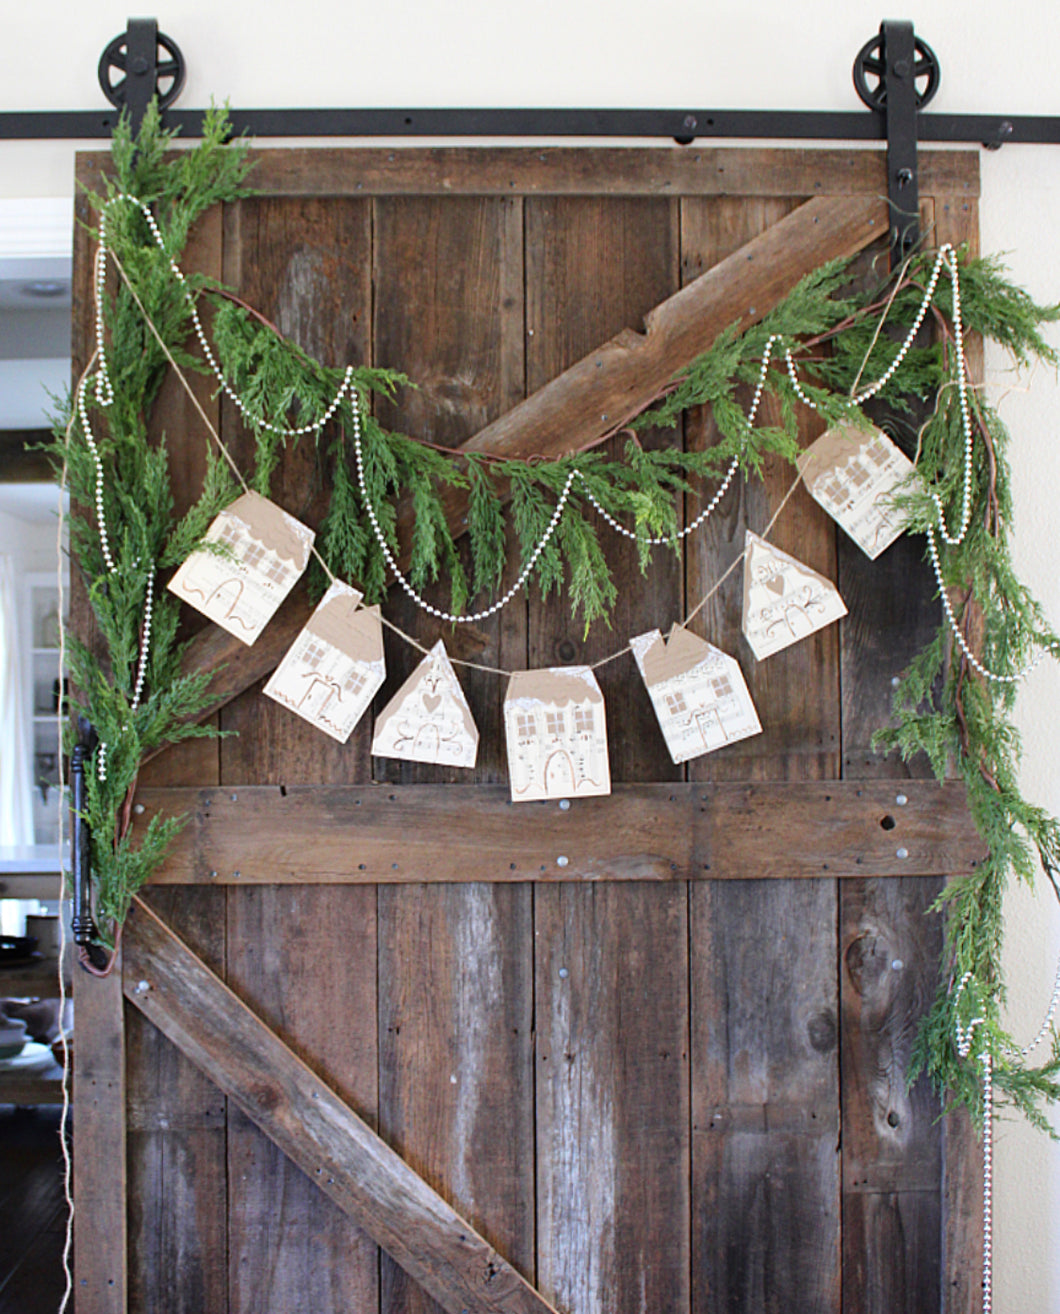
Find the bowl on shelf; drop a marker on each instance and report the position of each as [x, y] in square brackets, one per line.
[12, 1037]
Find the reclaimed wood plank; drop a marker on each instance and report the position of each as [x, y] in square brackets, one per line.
[101, 1252]
[611, 964]
[177, 1175]
[598, 393]
[890, 947]
[612, 1092]
[455, 975]
[891, 1138]
[697, 170]
[765, 1176]
[456, 1007]
[957, 221]
[306, 265]
[358, 835]
[594, 266]
[101, 1269]
[334, 1147]
[177, 1236]
[454, 323]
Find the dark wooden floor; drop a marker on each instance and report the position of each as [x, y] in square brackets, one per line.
[32, 1211]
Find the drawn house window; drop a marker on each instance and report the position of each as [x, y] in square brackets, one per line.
[354, 683]
[315, 653]
[675, 704]
[524, 725]
[554, 723]
[253, 555]
[276, 570]
[878, 453]
[229, 535]
[836, 491]
[859, 475]
[722, 686]
[583, 720]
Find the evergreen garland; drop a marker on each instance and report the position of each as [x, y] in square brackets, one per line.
[941, 707]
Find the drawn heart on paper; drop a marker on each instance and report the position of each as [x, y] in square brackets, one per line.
[432, 702]
[776, 585]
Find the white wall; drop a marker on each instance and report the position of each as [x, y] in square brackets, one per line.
[631, 53]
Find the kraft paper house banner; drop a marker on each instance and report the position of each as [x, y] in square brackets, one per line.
[698, 692]
[783, 600]
[556, 734]
[334, 668]
[428, 719]
[265, 551]
[854, 474]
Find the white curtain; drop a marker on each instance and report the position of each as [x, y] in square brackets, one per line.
[16, 767]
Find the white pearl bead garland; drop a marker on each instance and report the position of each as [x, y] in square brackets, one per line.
[146, 640]
[974, 661]
[723, 487]
[946, 256]
[965, 1036]
[101, 761]
[421, 602]
[82, 411]
[200, 332]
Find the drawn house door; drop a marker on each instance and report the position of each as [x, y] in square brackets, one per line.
[666, 1076]
[560, 779]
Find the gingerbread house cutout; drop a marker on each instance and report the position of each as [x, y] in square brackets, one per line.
[335, 667]
[263, 553]
[428, 719]
[783, 599]
[556, 734]
[854, 473]
[698, 692]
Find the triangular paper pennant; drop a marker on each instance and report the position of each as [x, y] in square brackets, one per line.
[265, 552]
[428, 719]
[854, 474]
[557, 734]
[783, 600]
[334, 668]
[698, 692]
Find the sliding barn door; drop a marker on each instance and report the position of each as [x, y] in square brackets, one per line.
[651, 1085]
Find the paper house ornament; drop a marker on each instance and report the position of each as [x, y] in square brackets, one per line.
[698, 692]
[266, 551]
[854, 474]
[557, 736]
[334, 668]
[428, 719]
[783, 600]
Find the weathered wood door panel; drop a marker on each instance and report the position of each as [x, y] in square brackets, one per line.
[648, 1095]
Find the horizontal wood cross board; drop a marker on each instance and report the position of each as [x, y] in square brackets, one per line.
[378, 834]
[645, 1083]
[335, 1148]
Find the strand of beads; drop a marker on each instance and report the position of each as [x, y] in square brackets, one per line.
[388, 556]
[962, 643]
[988, 1182]
[722, 488]
[946, 256]
[1045, 1028]
[282, 430]
[90, 439]
[146, 640]
[965, 1036]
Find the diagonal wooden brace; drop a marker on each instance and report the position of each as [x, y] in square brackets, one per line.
[209, 1024]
